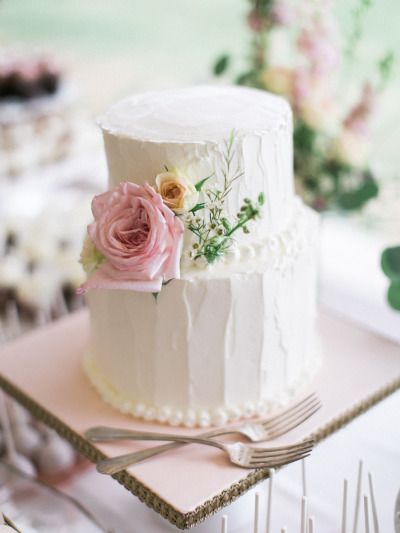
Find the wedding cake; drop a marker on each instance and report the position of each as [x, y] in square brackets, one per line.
[201, 260]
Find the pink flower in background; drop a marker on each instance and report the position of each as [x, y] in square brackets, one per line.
[319, 44]
[139, 236]
[357, 119]
[256, 21]
[282, 13]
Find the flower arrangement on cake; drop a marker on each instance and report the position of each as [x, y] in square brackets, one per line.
[136, 239]
[331, 146]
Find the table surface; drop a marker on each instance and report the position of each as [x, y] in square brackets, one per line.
[358, 369]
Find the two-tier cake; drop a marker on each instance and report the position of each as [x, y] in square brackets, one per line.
[201, 260]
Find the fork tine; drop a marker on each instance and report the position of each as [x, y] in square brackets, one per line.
[288, 447]
[294, 411]
[294, 407]
[276, 456]
[271, 454]
[291, 424]
[277, 464]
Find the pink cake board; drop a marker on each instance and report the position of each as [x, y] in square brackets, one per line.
[43, 371]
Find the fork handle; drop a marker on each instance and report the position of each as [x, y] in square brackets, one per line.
[116, 464]
[105, 433]
[172, 437]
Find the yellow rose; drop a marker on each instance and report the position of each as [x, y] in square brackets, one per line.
[177, 191]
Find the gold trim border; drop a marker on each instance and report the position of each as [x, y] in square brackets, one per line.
[152, 500]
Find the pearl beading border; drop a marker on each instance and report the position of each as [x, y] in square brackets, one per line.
[191, 418]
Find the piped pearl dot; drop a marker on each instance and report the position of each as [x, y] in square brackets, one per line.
[163, 414]
[190, 418]
[176, 418]
[235, 413]
[204, 419]
[125, 407]
[219, 417]
[139, 410]
[150, 414]
[247, 252]
[249, 410]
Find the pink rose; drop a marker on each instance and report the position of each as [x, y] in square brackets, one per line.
[139, 236]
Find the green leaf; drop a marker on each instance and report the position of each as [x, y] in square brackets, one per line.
[197, 207]
[199, 184]
[394, 295]
[245, 79]
[261, 198]
[355, 199]
[221, 64]
[390, 262]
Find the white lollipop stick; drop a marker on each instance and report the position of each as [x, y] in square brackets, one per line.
[358, 496]
[311, 524]
[344, 507]
[366, 515]
[269, 505]
[373, 503]
[304, 477]
[224, 524]
[303, 528]
[257, 512]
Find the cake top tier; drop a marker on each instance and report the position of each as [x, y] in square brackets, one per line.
[196, 114]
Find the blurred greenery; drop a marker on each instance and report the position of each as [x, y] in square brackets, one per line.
[116, 47]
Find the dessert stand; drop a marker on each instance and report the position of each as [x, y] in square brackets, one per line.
[42, 370]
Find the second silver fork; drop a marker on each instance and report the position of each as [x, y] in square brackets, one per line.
[269, 429]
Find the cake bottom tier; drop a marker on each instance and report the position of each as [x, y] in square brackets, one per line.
[208, 350]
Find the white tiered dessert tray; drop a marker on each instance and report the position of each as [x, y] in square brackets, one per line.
[43, 371]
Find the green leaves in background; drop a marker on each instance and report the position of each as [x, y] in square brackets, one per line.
[221, 64]
[356, 198]
[390, 262]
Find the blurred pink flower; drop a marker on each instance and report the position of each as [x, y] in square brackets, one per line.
[256, 21]
[357, 119]
[139, 236]
[318, 43]
[282, 13]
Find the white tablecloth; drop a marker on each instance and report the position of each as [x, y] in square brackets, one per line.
[374, 437]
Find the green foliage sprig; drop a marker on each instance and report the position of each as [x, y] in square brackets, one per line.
[213, 230]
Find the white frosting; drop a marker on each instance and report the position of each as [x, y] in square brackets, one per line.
[214, 346]
[188, 128]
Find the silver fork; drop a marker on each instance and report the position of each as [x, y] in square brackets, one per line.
[269, 429]
[239, 454]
